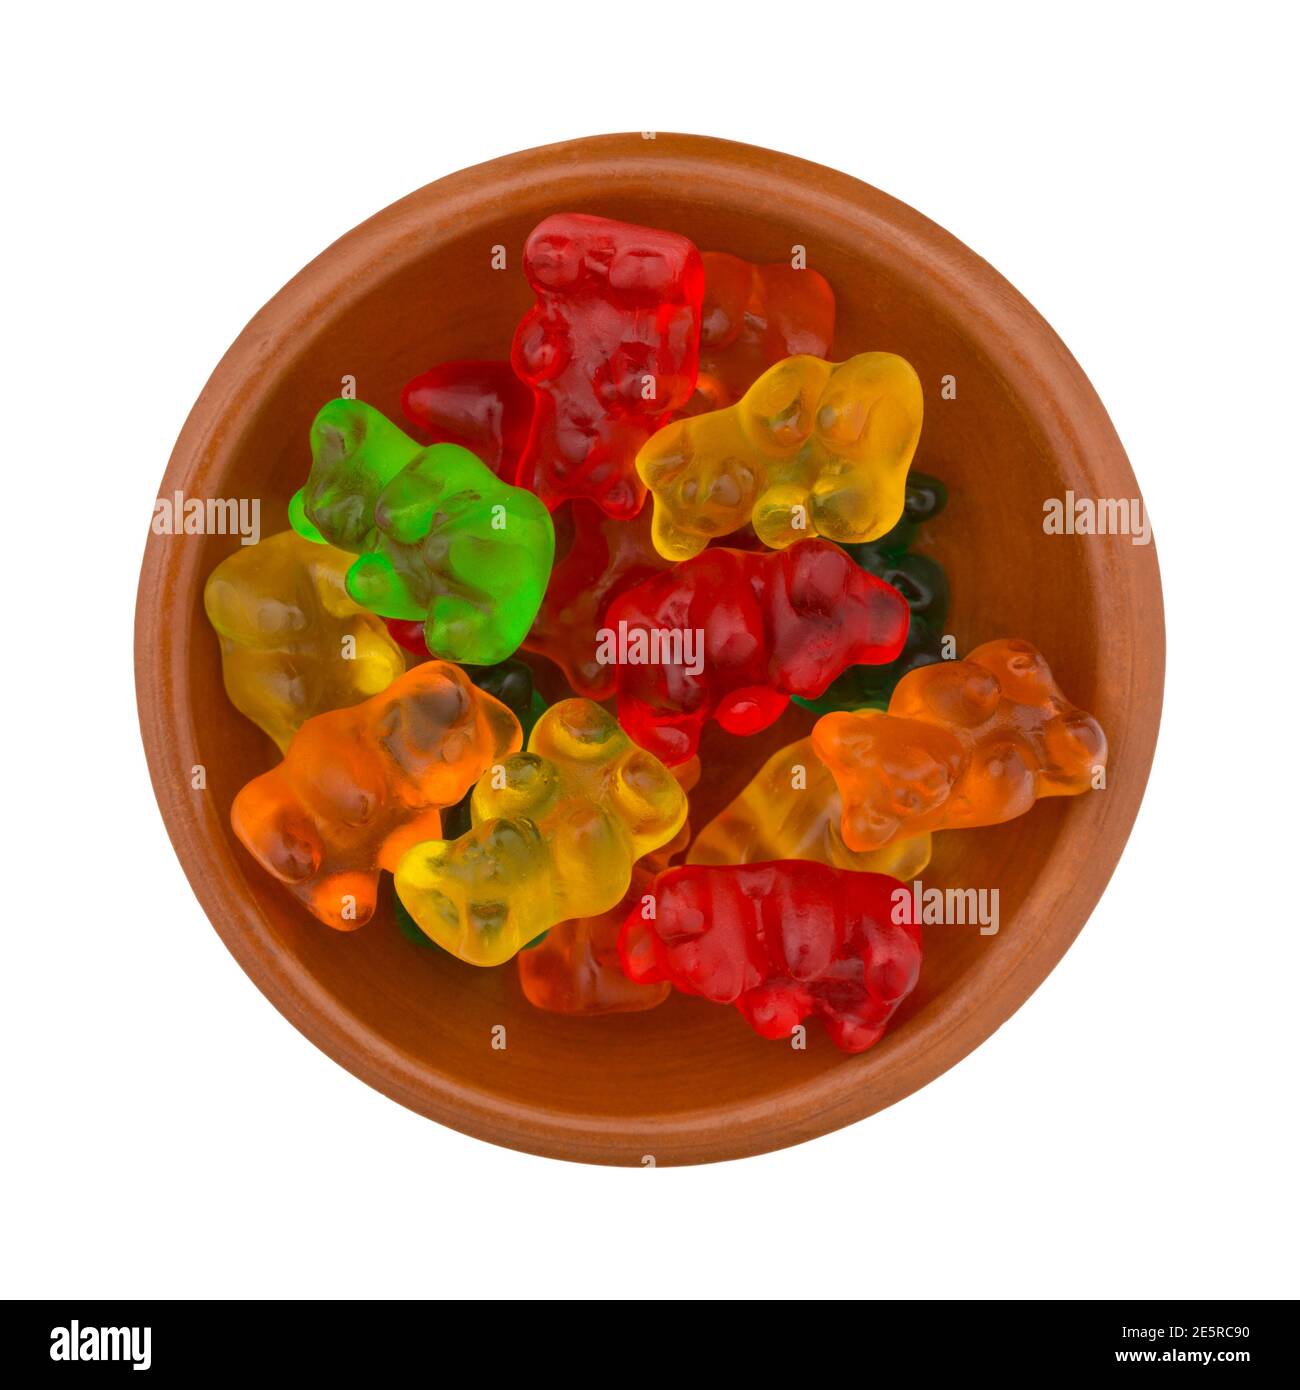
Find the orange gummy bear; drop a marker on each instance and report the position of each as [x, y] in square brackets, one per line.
[359, 786]
[963, 743]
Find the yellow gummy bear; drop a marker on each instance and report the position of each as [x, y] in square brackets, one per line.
[813, 448]
[556, 832]
[293, 644]
[791, 810]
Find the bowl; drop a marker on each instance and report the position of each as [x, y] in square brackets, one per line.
[1018, 424]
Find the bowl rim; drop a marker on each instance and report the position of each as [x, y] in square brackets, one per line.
[1021, 347]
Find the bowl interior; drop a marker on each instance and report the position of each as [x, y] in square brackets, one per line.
[687, 1080]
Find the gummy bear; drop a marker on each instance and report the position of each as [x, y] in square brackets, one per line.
[921, 581]
[293, 644]
[409, 929]
[606, 558]
[964, 743]
[754, 316]
[482, 406]
[610, 350]
[575, 968]
[732, 634]
[813, 448]
[781, 941]
[511, 682]
[359, 786]
[791, 810]
[556, 832]
[355, 453]
[408, 633]
[447, 541]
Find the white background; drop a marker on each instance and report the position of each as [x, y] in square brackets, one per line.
[1131, 1131]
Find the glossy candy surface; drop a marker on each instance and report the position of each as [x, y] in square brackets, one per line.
[511, 682]
[482, 406]
[575, 968]
[922, 582]
[781, 941]
[359, 786]
[732, 634]
[439, 536]
[610, 351]
[791, 810]
[355, 453]
[964, 743]
[605, 558]
[813, 448]
[293, 644]
[556, 832]
[754, 316]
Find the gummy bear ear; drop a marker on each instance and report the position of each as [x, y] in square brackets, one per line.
[577, 730]
[647, 796]
[642, 270]
[1075, 745]
[1021, 670]
[961, 693]
[552, 260]
[337, 431]
[846, 737]
[864, 827]
[412, 724]
[519, 788]
[779, 412]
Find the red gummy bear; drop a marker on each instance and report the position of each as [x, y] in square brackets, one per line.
[605, 558]
[780, 941]
[732, 634]
[754, 316]
[482, 406]
[611, 351]
[408, 633]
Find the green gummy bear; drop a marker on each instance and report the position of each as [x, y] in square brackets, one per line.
[355, 453]
[438, 536]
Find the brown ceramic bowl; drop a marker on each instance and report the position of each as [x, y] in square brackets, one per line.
[687, 1082]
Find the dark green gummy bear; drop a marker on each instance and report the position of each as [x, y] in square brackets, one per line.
[921, 581]
[511, 681]
[869, 687]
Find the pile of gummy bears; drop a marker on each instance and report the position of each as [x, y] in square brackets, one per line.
[736, 522]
